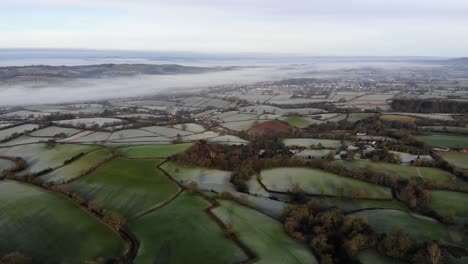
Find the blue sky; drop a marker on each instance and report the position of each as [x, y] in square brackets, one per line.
[303, 27]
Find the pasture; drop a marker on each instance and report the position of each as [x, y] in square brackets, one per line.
[308, 142]
[78, 167]
[442, 140]
[425, 174]
[450, 204]
[315, 181]
[421, 228]
[39, 157]
[264, 235]
[127, 187]
[8, 132]
[299, 122]
[181, 232]
[54, 131]
[457, 159]
[51, 228]
[6, 165]
[154, 151]
[207, 179]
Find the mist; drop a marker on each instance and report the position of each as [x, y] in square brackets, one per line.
[142, 85]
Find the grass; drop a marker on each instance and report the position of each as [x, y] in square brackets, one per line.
[371, 256]
[6, 164]
[154, 151]
[298, 121]
[182, 232]
[449, 141]
[307, 142]
[459, 160]
[347, 204]
[127, 187]
[355, 117]
[207, 179]
[264, 235]
[421, 228]
[434, 175]
[398, 118]
[446, 203]
[50, 228]
[78, 167]
[39, 157]
[315, 181]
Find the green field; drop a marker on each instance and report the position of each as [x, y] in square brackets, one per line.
[307, 142]
[128, 187]
[298, 121]
[182, 232]
[207, 179]
[264, 235]
[445, 203]
[420, 227]
[347, 204]
[154, 151]
[50, 228]
[78, 167]
[449, 141]
[315, 181]
[407, 172]
[39, 157]
[457, 159]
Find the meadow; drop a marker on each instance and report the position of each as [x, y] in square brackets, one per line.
[182, 232]
[264, 235]
[51, 228]
[127, 187]
[318, 182]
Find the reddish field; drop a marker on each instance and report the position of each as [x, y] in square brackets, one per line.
[273, 126]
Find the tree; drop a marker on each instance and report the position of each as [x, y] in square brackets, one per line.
[193, 187]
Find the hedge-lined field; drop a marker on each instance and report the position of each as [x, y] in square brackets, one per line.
[127, 187]
[50, 228]
[182, 232]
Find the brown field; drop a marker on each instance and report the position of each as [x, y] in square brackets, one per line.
[273, 126]
[399, 118]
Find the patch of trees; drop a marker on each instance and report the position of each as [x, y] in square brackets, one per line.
[382, 155]
[337, 238]
[15, 258]
[429, 106]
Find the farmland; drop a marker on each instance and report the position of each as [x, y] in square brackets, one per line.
[126, 186]
[313, 181]
[422, 228]
[457, 159]
[451, 204]
[163, 235]
[336, 165]
[207, 179]
[425, 174]
[308, 142]
[78, 167]
[449, 141]
[25, 208]
[264, 235]
[154, 151]
[40, 157]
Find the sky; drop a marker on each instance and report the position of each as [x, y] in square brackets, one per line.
[295, 27]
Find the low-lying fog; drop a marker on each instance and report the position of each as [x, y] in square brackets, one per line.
[108, 88]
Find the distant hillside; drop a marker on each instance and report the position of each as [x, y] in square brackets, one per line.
[100, 71]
